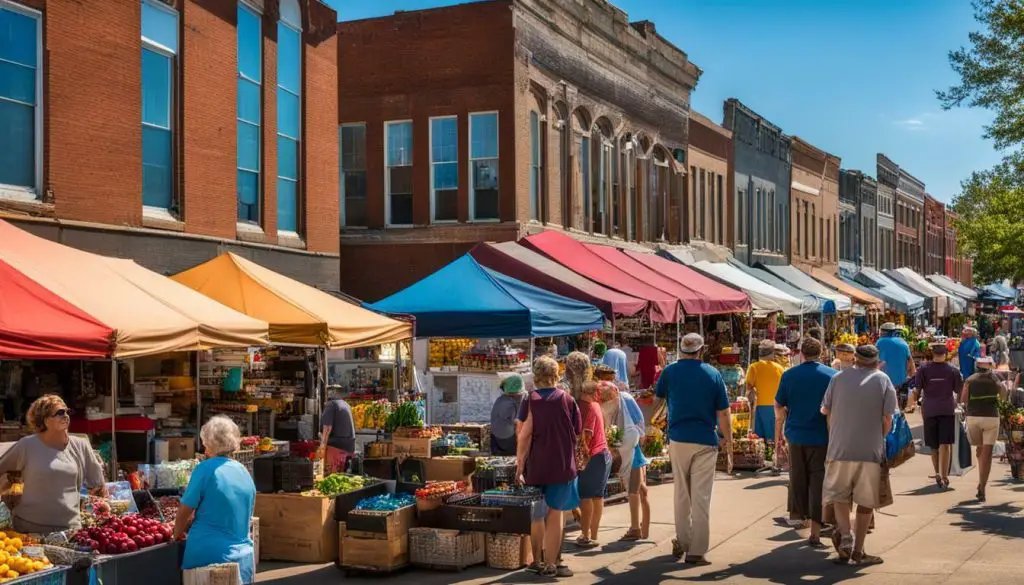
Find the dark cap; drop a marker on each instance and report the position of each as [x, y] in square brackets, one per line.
[867, 353]
[939, 348]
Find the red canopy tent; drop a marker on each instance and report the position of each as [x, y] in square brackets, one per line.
[692, 301]
[717, 297]
[37, 324]
[576, 257]
[511, 259]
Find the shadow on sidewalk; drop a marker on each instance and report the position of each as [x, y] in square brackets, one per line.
[1002, 520]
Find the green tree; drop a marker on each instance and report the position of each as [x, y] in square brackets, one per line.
[991, 224]
[991, 70]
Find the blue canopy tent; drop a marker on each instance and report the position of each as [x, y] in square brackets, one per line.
[465, 299]
[997, 291]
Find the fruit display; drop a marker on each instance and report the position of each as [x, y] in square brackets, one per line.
[448, 352]
[418, 432]
[340, 483]
[849, 338]
[165, 507]
[500, 360]
[118, 535]
[372, 415]
[19, 556]
[652, 446]
[386, 502]
[436, 490]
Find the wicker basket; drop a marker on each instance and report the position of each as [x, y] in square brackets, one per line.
[507, 551]
[434, 547]
[245, 457]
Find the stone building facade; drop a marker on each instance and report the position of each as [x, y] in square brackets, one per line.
[491, 120]
[133, 142]
[934, 236]
[814, 200]
[759, 186]
[708, 206]
[888, 178]
[858, 223]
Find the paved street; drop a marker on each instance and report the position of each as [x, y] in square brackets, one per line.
[924, 537]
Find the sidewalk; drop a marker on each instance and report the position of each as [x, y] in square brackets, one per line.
[926, 536]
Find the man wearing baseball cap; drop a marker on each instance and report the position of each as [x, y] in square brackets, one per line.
[763, 377]
[897, 362]
[844, 356]
[860, 403]
[939, 384]
[697, 403]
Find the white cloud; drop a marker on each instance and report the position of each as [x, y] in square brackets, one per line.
[914, 124]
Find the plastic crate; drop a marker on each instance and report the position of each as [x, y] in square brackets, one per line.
[245, 457]
[293, 474]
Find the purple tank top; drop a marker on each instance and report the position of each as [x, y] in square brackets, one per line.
[556, 424]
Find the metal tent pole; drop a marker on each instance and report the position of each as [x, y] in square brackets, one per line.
[114, 383]
[700, 320]
[750, 339]
[801, 325]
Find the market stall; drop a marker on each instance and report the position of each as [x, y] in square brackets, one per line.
[467, 300]
[943, 304]
[907, 302]
[802, 281]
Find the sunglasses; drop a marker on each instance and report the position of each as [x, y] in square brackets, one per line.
[61, 412]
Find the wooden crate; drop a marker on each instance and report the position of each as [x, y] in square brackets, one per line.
[389, 525]
[412, 446]
[372, 551]
[225, 574]
[297, 528]
[254, 534]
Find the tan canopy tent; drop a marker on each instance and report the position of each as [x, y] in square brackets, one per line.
[297, 313]
[149, 313]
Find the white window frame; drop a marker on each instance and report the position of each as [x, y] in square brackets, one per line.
[149, 210]
[430, 137]
[469, 155]
[299, 207]
[259, 154]
[387, 173]
[22, 192]
[341, 168]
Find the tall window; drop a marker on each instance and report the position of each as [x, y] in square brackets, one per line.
[828, 238]
[20, 88]
[741, 216]
[289, 115]
[616, 202]
[721, 212]
[536, 167]
[703, 206]
[353, 174]
[250, 110]
[483, 162]
[585, 179]
[398, 172]
[444, 168]
[159, 53]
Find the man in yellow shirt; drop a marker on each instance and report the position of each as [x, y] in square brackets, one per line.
[763, 377]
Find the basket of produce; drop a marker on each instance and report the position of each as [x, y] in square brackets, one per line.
[383, 514]
[404, 418]
[435, 493]
[446, 549]
[506, 551]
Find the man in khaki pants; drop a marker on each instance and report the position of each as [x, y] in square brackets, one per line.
[697, 402]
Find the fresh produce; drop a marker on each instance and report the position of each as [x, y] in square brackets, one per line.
[404, 415]
[440, 489]
[614, 435]
[16, 559]
[652, 446]
[372, 415]
[122, 535]
[457, 440]
[340, 483]
[166, 507]
[386, 502]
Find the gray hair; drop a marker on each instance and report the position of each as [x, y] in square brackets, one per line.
[545, 369]
[221, 435]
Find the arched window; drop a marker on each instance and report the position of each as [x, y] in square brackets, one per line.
[561, 114]
[538, 154]
[601, 134]
[581, 126]
[289, 115]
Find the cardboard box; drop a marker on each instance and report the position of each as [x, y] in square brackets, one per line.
[180, 448]
[456, 469]
[297, 528]
[375, 552]
[411, 446]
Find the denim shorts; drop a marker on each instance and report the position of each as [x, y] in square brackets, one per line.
[595, 475]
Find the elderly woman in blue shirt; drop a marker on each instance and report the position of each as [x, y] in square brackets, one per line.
[218, 504]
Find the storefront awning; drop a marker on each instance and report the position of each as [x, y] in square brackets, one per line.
[943, 303]
[693, 302]
[799, 279]
[763, 296]
[858, 295]
[297, 313]
[465, 299]
[949, 285]
[811, 302]
[37, 324]
[576, 257]
[717, 298]
[875, 279]
[523, 264]
[895, 302]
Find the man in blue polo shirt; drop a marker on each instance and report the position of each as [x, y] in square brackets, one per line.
[697, 403]
[897, 362]
[798, 410]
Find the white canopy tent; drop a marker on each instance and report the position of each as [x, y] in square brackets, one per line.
[763, 296]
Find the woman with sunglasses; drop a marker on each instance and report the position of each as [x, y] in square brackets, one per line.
[53, 466]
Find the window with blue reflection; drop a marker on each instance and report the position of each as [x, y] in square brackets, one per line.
[483, 157]
[289, 115]
[444, 168]
[19, 76]
[250, 113]
[159, 54]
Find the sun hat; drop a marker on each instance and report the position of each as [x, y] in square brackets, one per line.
[692, 343]
[888, 326]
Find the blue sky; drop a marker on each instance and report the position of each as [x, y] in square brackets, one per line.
[854, 77]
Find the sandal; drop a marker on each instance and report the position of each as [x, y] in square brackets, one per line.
[533, 567]
[677, 549]
[697, 561]
[631, 535]
[843, 546]
[547, 570]
[866, 560]
[816, 544]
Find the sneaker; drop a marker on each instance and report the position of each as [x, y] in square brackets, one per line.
[697, 561]
[563, 572]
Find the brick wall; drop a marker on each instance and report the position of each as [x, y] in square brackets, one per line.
[377, 271]
[92, 116]
[411, 66]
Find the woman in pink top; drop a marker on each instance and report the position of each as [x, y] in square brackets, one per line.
[594, 477]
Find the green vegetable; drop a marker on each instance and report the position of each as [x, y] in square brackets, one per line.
[405, 415]
[340, 483]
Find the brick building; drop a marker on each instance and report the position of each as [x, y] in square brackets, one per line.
[168, 131]
[934, 236]
[858, 221]
[888, 176]
[759, 186]
[956, 265]
[814, 199]
[491, 120]
[909, 222]
[707, 206]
